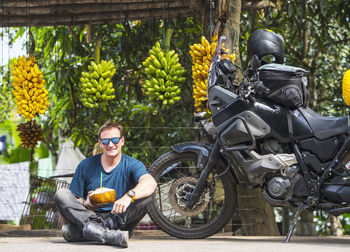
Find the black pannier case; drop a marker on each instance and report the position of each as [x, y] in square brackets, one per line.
[287, 84]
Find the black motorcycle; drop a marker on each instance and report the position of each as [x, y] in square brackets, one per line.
[263, 134]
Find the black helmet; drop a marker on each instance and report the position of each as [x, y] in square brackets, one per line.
[266, 42]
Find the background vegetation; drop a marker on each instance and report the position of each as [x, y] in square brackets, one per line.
[316, 35]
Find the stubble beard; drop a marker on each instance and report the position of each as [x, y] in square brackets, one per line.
[113, 153]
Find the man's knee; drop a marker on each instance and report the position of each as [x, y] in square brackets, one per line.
[139, 207]
[62, 196]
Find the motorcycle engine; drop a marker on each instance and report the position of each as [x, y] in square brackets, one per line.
[281, 186]
[278, 187]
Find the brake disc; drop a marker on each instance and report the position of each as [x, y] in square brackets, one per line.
[180, 192]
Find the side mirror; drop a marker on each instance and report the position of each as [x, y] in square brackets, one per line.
[225, 70]
[255, 62]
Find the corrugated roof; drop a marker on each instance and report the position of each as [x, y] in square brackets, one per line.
[14, 13]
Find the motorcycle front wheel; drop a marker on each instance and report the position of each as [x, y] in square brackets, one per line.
[177, 175]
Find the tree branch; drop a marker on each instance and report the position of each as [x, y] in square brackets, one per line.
[306, 41]
[89, 34]
[73, 98]
[301, 57]
[50, 143]
[71, 31]
[337, 42]
[315, 61]
[257, 4]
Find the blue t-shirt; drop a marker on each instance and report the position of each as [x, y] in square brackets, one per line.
[122, 178]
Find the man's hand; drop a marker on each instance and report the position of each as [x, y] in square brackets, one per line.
[87, 203]
[121, 205]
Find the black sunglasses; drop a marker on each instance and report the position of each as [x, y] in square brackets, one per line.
[115, 140]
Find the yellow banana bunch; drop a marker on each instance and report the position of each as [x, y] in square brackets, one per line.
[96, 85]
[201, 59]
[30, 134]
[164, 76]
[30, 95]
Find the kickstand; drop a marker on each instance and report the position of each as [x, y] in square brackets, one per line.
[300, 208]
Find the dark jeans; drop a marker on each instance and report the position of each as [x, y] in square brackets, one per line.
[75, 213]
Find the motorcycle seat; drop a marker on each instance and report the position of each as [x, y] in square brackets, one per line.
[323, 126]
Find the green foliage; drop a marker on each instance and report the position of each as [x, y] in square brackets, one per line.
[345, 221]
[41, 151]
[316, 35]
[323, 225]
[7, 104]
[16, 155]
[64, 53]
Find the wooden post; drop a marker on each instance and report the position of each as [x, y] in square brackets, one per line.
[257, 216]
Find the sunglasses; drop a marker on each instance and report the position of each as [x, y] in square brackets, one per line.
[115, 140]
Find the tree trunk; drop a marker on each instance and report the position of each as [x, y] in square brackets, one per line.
[230, 16]
[306, 225]
[257, 216]
[313, 82]
[285, 221]
[50, 142]
[336, 226]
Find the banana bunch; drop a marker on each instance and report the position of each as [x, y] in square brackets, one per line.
[201, 59]
[164, 76]
[30, 95]
[96, 85]
[30, 134]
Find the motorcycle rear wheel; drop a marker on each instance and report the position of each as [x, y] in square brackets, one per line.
[176, 175]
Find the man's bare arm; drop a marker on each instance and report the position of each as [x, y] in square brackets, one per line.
[144, 188]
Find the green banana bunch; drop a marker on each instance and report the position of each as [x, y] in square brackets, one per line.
[164, 76]
[96, 85]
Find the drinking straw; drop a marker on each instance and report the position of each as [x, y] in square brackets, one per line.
[101, 179]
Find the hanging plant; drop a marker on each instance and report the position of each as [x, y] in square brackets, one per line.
[164, 74]
[31, 98]
[96, 85]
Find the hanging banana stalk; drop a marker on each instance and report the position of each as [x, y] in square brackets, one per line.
[30, 134]
[30, 94]
[201, 59]
[96, 85]
[164, 74]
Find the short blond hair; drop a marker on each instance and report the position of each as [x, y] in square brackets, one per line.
[110, 125]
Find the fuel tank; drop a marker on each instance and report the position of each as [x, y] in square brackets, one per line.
[273, 121]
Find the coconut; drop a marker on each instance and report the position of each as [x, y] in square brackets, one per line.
[102, 195]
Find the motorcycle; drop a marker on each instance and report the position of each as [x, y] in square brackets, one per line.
[263, 134]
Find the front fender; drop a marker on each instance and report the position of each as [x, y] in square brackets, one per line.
[201, 149]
